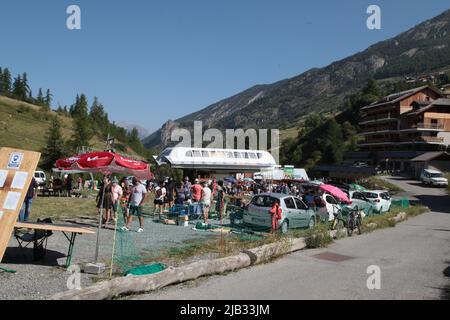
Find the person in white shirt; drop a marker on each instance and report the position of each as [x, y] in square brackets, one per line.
[205, 201]
[160, 195]
[137, 198]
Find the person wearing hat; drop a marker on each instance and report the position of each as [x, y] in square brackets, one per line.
[137, 199]
[117, 193]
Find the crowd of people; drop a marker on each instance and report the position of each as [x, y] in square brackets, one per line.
[198, 194]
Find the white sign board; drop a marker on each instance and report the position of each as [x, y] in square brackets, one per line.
[15, 160]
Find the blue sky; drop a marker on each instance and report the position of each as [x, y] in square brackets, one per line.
[149, 61]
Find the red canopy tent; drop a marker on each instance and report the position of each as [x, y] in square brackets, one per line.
[105, 162]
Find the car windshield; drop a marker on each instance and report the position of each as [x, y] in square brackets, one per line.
[436, 175]
[263, 201]
[370, 195]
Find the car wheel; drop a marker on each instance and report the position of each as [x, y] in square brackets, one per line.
[284, 227]
[350, 225]
[312, 223]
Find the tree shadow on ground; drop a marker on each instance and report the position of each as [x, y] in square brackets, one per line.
[436, 203]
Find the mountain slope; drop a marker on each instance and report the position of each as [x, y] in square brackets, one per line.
[422, 49]
[24, 126]
[143, 133]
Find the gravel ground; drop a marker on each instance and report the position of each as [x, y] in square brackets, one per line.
[39, 280]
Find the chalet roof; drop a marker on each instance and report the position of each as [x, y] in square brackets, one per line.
[396, 97]
[429, 156]
[438, 102]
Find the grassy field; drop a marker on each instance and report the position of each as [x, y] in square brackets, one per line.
[59, 208]
[24, 126]
[62, 208]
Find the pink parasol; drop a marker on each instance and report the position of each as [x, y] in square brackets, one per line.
[336, 192]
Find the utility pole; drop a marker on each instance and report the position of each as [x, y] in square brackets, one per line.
[109, 143]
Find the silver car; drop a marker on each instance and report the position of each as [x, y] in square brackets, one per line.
[295, 213]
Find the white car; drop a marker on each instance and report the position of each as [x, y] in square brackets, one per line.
[295, 213]
[380, 198]
[433, 178]
[327, 207]
[40, 178]
[360, 201]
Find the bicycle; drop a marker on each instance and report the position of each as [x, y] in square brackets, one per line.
[339, 220]
[350, 221]
[354, 221]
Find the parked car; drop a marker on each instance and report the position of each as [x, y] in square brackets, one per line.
[360, 201]
[295, 213]
[40, 178]
[340, 185]
[433, 178]
[381, 199]
[327, 207]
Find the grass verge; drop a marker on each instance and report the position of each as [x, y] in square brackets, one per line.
[377, 183]
[386, 220]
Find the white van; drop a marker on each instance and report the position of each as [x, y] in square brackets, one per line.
[40, 178]
[433, 178]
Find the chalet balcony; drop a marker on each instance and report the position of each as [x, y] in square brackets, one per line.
[425, 127]
[423, 139]
[378, 130]
[432, 126]
[379, 118]
[432, 139]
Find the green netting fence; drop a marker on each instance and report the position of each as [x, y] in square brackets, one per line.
[144, 251]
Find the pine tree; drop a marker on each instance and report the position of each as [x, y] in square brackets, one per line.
[48, 99]
[83, 131]
[82, 134]
[40, 98]
[134, 141]
[25, 87]
[1, 81]
[6, 81]
[17, 87]
[98, 115]
[55, 145]
[80, 108]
